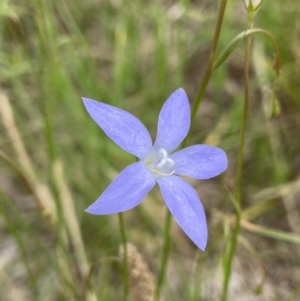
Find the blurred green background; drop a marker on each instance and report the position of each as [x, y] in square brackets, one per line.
[55, 161]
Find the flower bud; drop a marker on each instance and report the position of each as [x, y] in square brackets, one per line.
[252, 5]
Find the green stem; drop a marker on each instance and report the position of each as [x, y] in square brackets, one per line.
[233, 243]
[125, 264]
[207, 75]
[209, 69]
[165, 255]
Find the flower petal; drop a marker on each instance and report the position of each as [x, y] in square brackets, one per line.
[200, 161]
[173, 122]
[185, 205]
[125, 192]
[120, 126]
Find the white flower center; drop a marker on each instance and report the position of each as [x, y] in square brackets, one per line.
[159, 163]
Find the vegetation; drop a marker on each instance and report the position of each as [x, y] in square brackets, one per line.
[55, 161]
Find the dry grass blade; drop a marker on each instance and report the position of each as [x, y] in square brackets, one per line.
[24, 160]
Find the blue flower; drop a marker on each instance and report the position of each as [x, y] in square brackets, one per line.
[158, 163]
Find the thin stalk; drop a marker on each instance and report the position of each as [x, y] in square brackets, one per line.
[210, 66]
[165, 255]
[244, 122]
[207, 75]
[238, 186]
[125, 263]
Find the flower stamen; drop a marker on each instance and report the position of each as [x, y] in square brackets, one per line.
[159, 163]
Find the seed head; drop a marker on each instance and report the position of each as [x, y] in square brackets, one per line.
[141, 279]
